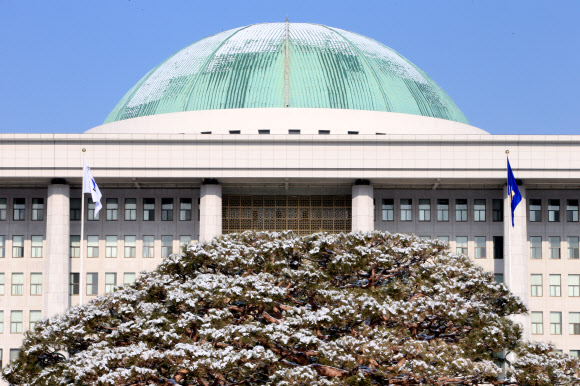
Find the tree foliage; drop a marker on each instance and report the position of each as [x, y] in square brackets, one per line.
[273, 308]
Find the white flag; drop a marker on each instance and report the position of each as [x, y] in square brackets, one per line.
[90, 186]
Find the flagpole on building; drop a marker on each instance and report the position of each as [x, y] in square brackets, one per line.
[82, 255]
[509, 243]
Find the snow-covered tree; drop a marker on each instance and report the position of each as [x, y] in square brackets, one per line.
[273, 308]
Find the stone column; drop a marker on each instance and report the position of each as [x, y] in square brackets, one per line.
[210, 215]
[516, 274]
[57, 261]
[362, 206]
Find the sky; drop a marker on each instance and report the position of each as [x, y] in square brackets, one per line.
[512, 67]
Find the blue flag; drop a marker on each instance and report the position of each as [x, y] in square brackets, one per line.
[513, 191]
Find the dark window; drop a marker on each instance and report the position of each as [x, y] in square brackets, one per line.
[324, 132]
[388, 209]
[3, 209]
[461, 210]
[74, 283]
[234, 131]
[497, 210]
[148, 209]
[19, 209]
[130, 209]
[572, 211]
[479, 210]
[263, 131]
[167, 209]
[406, 209]
[75, 209]
[424, 209]
[442, 209]
[112, 209]
[353, 132]
[498, 247]
[37, 209]
[293, 131]
[535, 210]
[206, 132]
[185, 209]
[554, 210]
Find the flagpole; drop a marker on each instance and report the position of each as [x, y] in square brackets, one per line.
[81, 273]
[509, 231]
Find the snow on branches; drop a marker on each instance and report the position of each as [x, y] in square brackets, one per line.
[274, 308]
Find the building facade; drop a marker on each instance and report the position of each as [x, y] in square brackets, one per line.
[284, 126]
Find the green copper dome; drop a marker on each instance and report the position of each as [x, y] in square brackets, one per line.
[286, 65]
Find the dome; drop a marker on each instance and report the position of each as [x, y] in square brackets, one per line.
[286, 65]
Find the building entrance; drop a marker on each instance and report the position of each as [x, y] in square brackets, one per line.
[302, 214]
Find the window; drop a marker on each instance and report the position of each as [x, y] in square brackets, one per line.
[1, 324]
[293, 131]
[556, 323]
[184, 240]
[3, 209]
[235, 131]
[388, 209]
[574, 320]
[574, 285]
[128, 278]
[480, 247]
[166, 245]
[443, 238]
[442, 209]
[19, 209]
[2, 246]
[498, 247]
[148, 209]
[14, 354]
[36, 242]
[424, 210]
[555, 285]
[460, 210]
[573, 247]
[536, 283]
[35, 317]
[110, 281]
[75, 209]
[148, 246]
[130, 246]
[2, 282]
[17, 284]
[93, 246]
[461, 245]
[92, 283]
[16, 322]
[263, 131]
[498, 277]
[92, 215]
[324, 132]
[167, 209]
[36, 284]
[535, 210]
[554, 210]
[575, 353]
[75, 246]
[17, 246]
[406, 209]
[130, 209]
[497, 208]
[185, 209]
[535, 247]
[572, 211]
[37, 209]
[112, 209]
[111, 246]
[554, 242]
[74, 283]
[537, 323]
[479, 210]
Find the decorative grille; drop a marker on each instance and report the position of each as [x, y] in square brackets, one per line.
[302, 214]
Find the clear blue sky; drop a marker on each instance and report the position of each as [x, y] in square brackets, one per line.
[512, 66]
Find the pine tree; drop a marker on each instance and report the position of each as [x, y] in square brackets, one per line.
[273, 308]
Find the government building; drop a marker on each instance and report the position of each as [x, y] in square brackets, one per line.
[282, 126]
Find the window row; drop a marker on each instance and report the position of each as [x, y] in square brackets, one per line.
[554, 210]
[130, 208]
[129, 246]
[423, 209]
[19, 209]
[92, 282]
[14, 354]
[36, 246]
[480, 245]
[537, 321]
[554, 247]
[17, 284]
[554, 285]
[17, 321]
